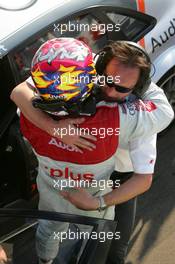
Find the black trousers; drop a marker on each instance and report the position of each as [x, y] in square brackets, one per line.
[125, 216]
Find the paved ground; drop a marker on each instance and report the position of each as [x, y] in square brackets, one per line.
[153, 240]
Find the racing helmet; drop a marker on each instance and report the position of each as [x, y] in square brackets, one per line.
[62, 70]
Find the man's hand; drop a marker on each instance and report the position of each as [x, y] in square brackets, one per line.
[76, 139]
[3, 256]
[81, 199]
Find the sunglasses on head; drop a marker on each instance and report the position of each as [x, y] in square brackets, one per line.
[118, 88]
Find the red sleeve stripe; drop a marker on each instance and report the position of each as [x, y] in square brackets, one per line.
[141, 8]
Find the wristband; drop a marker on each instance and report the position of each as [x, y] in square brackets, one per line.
[102, 204]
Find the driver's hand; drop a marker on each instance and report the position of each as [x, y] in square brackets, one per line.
[3, 256]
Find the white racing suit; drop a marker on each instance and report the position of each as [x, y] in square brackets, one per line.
[60, 163]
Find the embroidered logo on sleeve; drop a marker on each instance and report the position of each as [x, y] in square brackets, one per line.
[138, 106]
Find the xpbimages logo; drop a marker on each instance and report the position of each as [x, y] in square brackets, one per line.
[85, 27]
[102, 132]
[100, 184]
[72, 235]
[67, 178]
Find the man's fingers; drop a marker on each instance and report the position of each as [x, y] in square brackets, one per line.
[78, 188]
[84, 146]
[87, 136]
[86, 143]
[64, 194]
[76, 120]
[77, 149]
[82, 143]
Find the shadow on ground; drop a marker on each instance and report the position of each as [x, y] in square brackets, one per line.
[156, 209]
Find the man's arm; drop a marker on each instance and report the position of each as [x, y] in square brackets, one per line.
[154, 122]
[142, 119]
[143, 156]
[134, 186]
[137, 184]
[22, 96]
